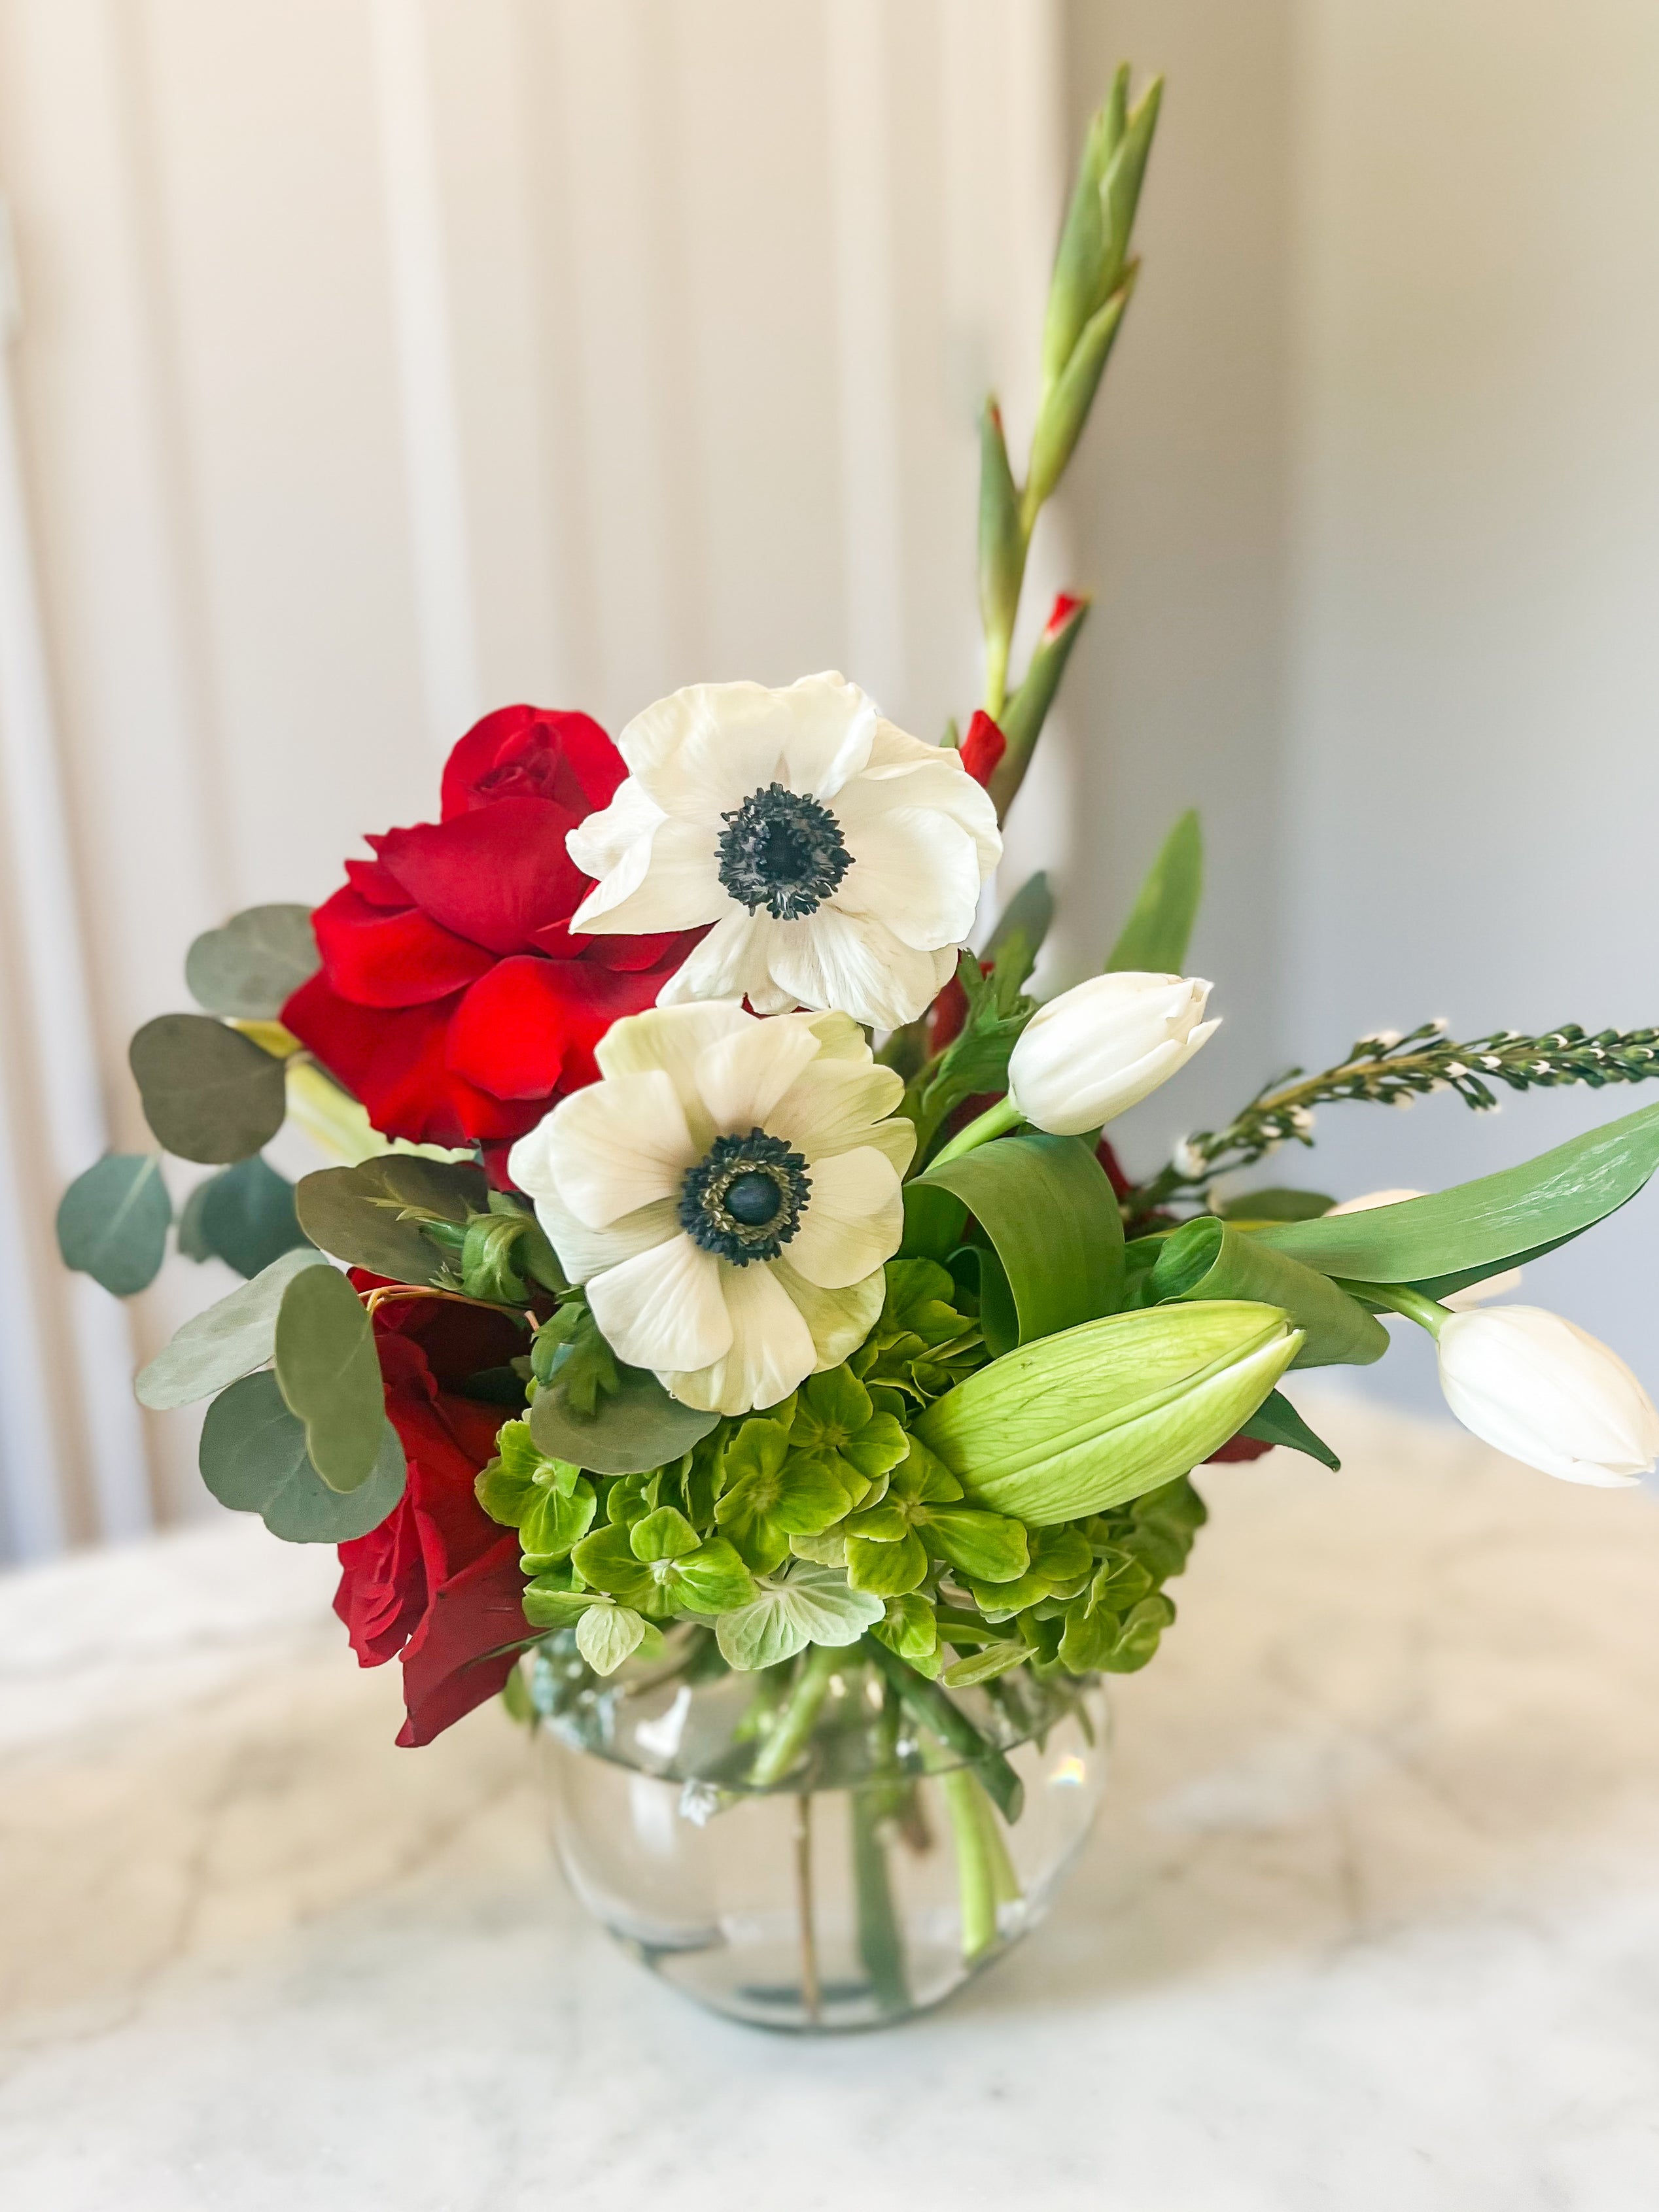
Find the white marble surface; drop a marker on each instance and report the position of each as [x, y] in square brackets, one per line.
[1372, 1924]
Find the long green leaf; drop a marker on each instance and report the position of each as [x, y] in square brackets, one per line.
[252, 1458]
[1206, 1259]
[1477, 1228]
[112, 1222]
[1048, 1209]
[1156, 936]
[330, 1374]
[1276, 1421]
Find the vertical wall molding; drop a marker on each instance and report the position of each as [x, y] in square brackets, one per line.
[872, 530]
[62, 1059]
[434, 460]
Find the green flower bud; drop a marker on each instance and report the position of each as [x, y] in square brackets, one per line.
[1077, 1422]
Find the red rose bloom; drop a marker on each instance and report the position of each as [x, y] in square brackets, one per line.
[452, 1000]
[438, 1581]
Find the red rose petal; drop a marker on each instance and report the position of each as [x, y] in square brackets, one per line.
[494, 875]
[532, 752]
[394, 1062]
[382, 958]
[529, 1027]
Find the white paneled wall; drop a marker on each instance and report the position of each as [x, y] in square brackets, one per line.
[381, 361]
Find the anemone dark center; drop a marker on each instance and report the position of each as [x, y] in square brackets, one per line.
[782, 851]
[745, 1198]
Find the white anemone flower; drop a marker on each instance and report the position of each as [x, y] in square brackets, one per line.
[839, 860]
[727, 1193]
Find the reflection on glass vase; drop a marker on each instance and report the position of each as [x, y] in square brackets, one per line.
[833, 1843]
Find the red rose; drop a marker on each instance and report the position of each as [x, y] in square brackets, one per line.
[452, 1000]
[438, 1581]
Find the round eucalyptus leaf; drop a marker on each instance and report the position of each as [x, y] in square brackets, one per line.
[634, 1428]
[330, 1374]
[213, 1348]
[353, 1213]
[251, 966]
[208, 1092]
[254, 1459]
[243, 1217]
[112, 1222]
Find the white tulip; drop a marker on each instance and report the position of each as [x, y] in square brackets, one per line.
[1475, 1294]
[1095, 1051]
[1543, 1390]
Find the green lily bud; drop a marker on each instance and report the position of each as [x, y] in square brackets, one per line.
[1077, 1422]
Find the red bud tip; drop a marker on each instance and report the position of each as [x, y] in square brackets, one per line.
[983, 747]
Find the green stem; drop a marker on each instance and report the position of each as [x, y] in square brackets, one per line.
[932, 1708]
[985, 1873]
[881, 1939]
[1428, 1313]
[786, 1738]
[995, 1121]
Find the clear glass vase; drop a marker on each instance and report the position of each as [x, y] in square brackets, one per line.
[830, 1844]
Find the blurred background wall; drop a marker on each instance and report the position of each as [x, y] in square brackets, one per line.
[379, 360]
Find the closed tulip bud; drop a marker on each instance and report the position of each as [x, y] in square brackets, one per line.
[1534, 1386]
[1072, 1424]
[1094, 1052]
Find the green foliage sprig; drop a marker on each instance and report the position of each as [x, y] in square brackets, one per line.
[1390, 1069]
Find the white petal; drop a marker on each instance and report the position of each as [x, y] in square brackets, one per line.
[934, 775]
[667, 880]
[915, 870]
[730, 963]
[772, 1349]
[616, 836]
[664, 1308]
[854, 1220]
[583, 1252]
[834, 1104]
[838, 1035]
[618, 1146]
[709, 747]
[839, 1319]
[742, 1078]
[672, 1038]
[849, 961]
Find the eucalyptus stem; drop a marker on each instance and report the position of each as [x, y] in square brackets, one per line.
[786, 1738]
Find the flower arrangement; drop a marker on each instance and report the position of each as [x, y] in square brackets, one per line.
[725, 1268]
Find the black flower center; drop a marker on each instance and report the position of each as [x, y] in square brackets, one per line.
[744, 1197]
[782, 852]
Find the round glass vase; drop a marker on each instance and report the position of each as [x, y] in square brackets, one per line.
[829, 1844]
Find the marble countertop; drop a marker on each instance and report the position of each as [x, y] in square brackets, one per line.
[1370, 1923]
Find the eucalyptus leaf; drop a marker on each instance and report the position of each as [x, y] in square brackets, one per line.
[1049, 1208]
[253, 1457]
[330, 1373]
[1477, 1228]
[639, 1427]
[244, 1216]
[254, 965]
[1206, 1259]
[1160, 924]
[208, 1092]
[230, 1338]
[112, 1222]
[814, 1606]
[354, 1213]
